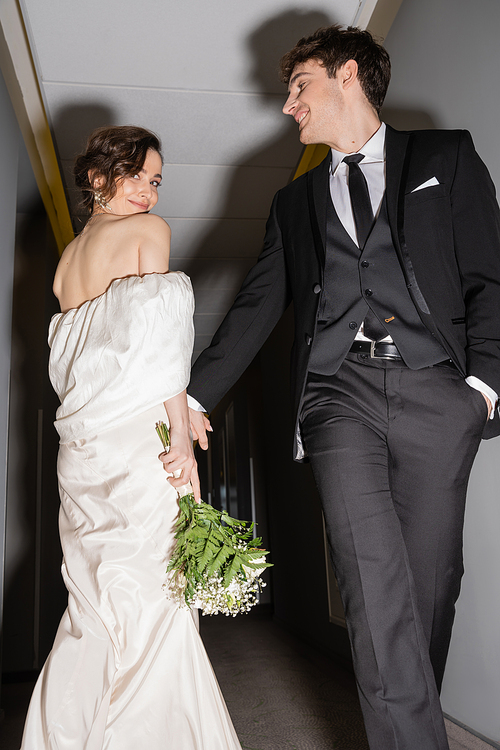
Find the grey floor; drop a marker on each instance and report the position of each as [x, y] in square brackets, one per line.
[281, 693]
[284, 695]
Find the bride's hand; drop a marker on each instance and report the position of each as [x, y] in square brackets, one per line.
[181, 462]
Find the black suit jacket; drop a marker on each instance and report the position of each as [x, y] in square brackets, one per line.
[447, 237]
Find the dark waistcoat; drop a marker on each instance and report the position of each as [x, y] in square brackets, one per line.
[355, 280]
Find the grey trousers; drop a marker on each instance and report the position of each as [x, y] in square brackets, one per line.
[391, 451]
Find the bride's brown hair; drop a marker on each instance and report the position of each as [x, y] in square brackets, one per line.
[112, 154]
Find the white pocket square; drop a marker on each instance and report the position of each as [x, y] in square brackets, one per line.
[428, 183]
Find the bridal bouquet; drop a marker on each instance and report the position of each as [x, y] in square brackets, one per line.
[216, 564]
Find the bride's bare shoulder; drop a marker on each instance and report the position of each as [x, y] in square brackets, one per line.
[149, 224]
[152, 235]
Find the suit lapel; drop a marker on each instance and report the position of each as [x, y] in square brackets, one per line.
[396, 149]
[317, 190]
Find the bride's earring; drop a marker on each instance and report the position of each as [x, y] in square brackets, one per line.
[99, 199]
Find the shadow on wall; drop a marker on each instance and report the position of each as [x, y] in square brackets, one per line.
[267, 43]
[34, 593]
[407, 119]
[72, 128]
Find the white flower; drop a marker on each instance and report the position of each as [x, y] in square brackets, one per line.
[212, 597]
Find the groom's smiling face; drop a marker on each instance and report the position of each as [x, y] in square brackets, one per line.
[316, 103]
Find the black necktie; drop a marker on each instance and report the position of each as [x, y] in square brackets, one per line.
[363, 219]
[360, 199]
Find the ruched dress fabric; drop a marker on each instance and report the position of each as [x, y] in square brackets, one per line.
[128, 669]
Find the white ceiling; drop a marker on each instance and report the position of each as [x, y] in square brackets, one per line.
[203, 76]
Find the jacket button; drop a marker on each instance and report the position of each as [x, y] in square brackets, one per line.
[364, 264]
[316, 288]
[353, 325]
[308, 339]
[368, 292]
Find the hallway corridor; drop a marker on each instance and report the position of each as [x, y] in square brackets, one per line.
[281, 693]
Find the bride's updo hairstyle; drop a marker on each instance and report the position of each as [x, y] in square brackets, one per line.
[112, 154]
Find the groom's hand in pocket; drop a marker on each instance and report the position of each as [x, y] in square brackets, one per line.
[488, 404]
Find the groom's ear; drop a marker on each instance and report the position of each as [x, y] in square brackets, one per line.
[347, 74]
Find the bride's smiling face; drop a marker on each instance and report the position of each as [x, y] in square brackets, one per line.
[138, 193]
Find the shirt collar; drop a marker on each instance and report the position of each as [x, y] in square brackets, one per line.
[373, 150]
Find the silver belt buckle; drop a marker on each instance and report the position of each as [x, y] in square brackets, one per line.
[373, 344]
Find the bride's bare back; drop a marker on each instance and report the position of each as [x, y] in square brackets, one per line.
[110, 247]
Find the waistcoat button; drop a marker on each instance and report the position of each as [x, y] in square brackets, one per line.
[364, 264]
[316, 289]
[353, 325]
[368, 292]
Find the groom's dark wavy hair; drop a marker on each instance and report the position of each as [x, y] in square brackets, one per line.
[332, 47]
[112, 153]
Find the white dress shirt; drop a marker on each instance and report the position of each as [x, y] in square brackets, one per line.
[373, 168]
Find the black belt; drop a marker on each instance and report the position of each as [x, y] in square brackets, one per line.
[386, 350]
[376, 349]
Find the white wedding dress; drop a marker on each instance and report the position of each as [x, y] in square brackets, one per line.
[128, 670]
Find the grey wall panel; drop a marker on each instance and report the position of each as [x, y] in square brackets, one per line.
[201, 343]
[195, 129]
[193, 45]
[216, 301]
[214, 273]
[210, 253]
[213, 191]
[471, 688]
[205, 325]
[455, 81]
[446, 60]
[225, 192]
[216, 238]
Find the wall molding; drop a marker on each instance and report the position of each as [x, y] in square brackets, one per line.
[16, 63]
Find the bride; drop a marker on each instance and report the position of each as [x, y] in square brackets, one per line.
[127, 669]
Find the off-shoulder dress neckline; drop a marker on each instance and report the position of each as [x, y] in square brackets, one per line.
[108, 288]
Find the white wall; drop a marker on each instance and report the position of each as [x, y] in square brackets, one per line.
[9, 142]
[446, 63]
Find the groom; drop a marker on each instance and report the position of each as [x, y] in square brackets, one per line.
[390, 251]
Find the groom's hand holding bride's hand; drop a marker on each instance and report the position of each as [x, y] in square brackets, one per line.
[200, 425]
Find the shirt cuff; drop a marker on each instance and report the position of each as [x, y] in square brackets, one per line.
[480, 386]
[195, 405]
